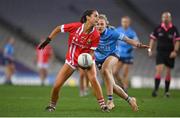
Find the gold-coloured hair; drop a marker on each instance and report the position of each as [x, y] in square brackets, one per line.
[103, 16]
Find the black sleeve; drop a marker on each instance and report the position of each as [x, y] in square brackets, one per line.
[154, 34]
[176, 34]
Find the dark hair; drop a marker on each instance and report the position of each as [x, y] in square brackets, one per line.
[86, 13]
[126, 17]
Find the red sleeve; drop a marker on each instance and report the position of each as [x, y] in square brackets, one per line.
[95, 43]
[70, 27]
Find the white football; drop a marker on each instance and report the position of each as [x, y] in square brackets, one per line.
[85, 60]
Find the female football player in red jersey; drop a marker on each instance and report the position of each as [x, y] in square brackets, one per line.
[83, 38]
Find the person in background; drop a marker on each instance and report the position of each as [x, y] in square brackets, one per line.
[125, 53]
[167, 37]
[43, 58]
[83, 82]
[8, 53]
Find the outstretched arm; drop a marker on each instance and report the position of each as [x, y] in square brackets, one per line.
[50, 37]
[54, 32]
[135, 43]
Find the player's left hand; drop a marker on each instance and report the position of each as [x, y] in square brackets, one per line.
[44, 43]
[173, 54]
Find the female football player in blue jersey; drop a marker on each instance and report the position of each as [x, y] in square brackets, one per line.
[124, 52]
[106, 59]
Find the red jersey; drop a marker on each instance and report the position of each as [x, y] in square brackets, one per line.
[79, 42]
[44, 55]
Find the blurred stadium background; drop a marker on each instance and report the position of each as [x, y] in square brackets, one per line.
[28, 20]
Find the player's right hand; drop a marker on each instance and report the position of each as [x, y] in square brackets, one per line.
[140, 45]
[144, 46]
[173, 54]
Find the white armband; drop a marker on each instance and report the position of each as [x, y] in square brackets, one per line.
[121, 36]
[93, 48]
[62, 28]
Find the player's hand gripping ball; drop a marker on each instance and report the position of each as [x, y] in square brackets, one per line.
[85, 60]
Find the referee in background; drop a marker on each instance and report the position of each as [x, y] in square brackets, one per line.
[167, 37]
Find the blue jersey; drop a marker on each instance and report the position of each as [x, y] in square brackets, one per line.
[107, 43]
[125, 50]
[8, 51]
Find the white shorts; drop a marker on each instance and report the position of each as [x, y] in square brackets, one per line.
[72, 66]
[42, 65]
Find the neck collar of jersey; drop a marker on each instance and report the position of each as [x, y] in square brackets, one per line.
[104, 32]
[166, 28]
[125, 29]
[83, 29]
